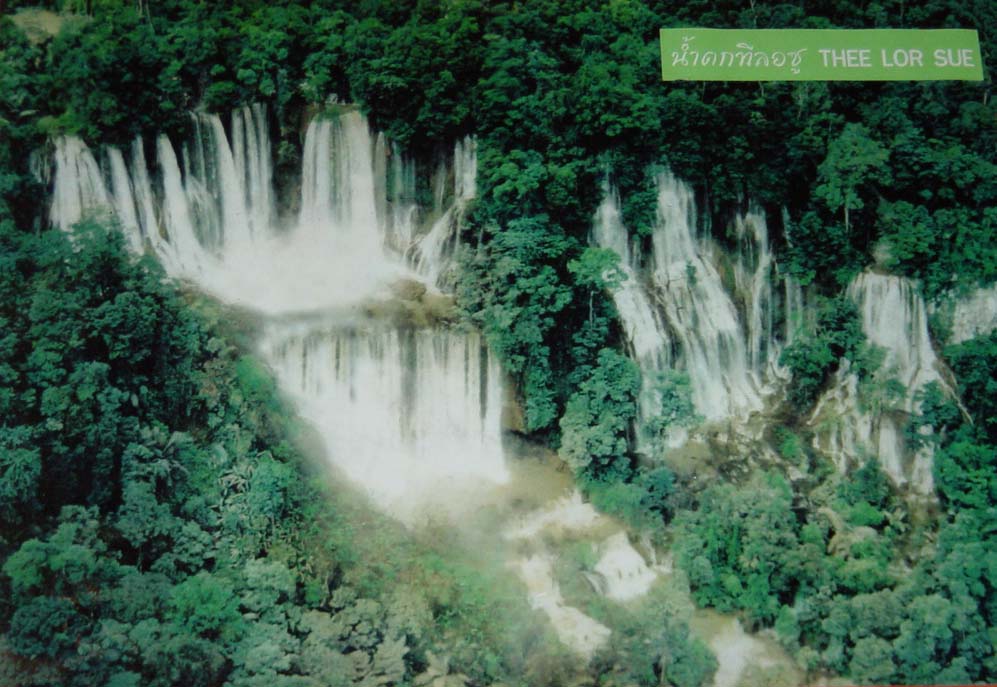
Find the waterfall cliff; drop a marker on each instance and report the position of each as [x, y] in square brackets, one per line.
[853, 421]
[405, 405]
[676, 312]
[723, 318]
[643, 325]
[712, 342]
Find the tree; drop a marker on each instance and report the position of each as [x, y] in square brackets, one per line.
[738, 548]
[872, 661]
[854, 161]
[597, 269]
[597, 419]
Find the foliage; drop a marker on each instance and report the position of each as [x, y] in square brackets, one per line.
[674, 391]
[143, 468]
[598, 416]
[652, 644]
[733, 547]
[159, 529]
[853, 161]
[812, 356]
[975, 365]
[846, 608]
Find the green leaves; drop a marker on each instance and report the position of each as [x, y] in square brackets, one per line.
[597, 418]
[597, 269]
[205, 606]
[20, 472]
[86, 81]
[45, 627]
[872, 661]
[811, 357]
[738, 547]
[975, 365]
[516, 295]
[854, 161]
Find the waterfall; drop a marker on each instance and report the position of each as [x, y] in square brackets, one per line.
[753, 275]
[186, 256]
[253, 167]
[403, 410]
[681, 316]
[894, 317]
[433, 253]
[211, 215]
[405, 413]
[338, 184]
[79, 185]
[214, 186]
[143, 198]
[124, 199]
[712, 342]
[647, 336]
[849, 424]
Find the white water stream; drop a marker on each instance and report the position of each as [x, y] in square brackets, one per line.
[701, 313]
[676, 311]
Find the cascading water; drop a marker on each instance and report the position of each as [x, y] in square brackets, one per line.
[753, 275]
[184, 257]
[699, 311]
[124, 199]
[432, 255]
[647, 336]
[731, 364]
[403, 410]
[143, 197]
[853, 422]
[337, 186]
[253, 167]
[79, 186]
[412, 413]
[686, 300]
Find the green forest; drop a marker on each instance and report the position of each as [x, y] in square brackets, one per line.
[162, 521]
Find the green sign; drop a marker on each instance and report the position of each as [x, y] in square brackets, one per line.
[820, 55]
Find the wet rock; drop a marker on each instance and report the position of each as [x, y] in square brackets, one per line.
[439, 307]
[513, 416]
[408, 289]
